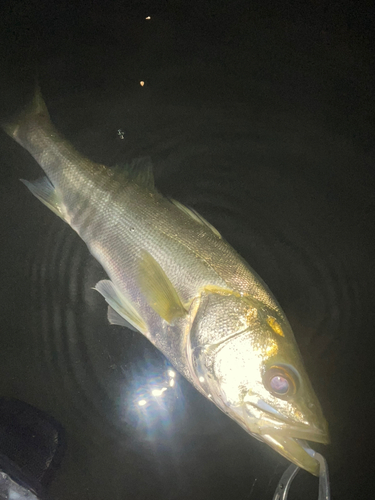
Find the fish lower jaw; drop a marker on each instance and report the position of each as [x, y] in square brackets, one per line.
[296, 432]
[287, 439]
[295, 450]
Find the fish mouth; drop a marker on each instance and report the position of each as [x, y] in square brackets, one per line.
[296, 450]
[289, 438]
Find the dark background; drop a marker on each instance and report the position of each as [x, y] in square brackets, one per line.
[261, 117]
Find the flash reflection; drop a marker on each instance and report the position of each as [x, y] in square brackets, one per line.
[155, 397]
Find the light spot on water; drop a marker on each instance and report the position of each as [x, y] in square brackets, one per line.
[158, 392]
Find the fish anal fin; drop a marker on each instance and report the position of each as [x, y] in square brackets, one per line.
[46, 193]
[121, 305]
[158, 290]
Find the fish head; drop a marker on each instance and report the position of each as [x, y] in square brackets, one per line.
[243, 356]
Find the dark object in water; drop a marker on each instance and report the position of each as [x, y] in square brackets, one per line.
[31, 448]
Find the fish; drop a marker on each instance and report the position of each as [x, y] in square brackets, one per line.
[173, 277]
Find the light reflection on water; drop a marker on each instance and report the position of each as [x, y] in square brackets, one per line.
[151, 399]
[105, 373]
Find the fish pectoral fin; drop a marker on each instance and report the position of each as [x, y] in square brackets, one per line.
[45, 192]
[159, 292]
[196, 216]
[121, 305]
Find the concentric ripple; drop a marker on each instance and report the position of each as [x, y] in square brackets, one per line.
[103, 371]
[115, 377]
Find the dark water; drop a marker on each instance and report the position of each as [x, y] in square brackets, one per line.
[260, 119]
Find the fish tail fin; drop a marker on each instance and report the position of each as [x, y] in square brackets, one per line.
[35, 111]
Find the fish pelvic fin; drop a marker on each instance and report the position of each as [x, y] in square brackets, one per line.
[35, 110]
[115, 318]
[157, 289]
[122, 307]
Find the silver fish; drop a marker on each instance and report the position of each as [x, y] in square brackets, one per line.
[173, 278]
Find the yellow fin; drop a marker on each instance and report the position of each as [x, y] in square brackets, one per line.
[158, 290]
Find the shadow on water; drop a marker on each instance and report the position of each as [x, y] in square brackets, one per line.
[263, 127]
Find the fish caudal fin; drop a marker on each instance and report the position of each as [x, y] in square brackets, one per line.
[35, 110]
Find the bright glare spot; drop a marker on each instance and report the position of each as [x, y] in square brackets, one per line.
[209, 396]
[158, 392]
[272, 440]
[171, 373]
[238, 367]
[272, 349]
[142, 402]
[171, 383]
[148, 17]
[201, 379]
[142, 84]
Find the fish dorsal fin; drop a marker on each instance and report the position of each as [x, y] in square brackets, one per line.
[196, 216]
[138, 171]
[122, 305]
[158, 290]
[46, 193]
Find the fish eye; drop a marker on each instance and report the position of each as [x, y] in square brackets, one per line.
[279, 384]
[280, 381]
